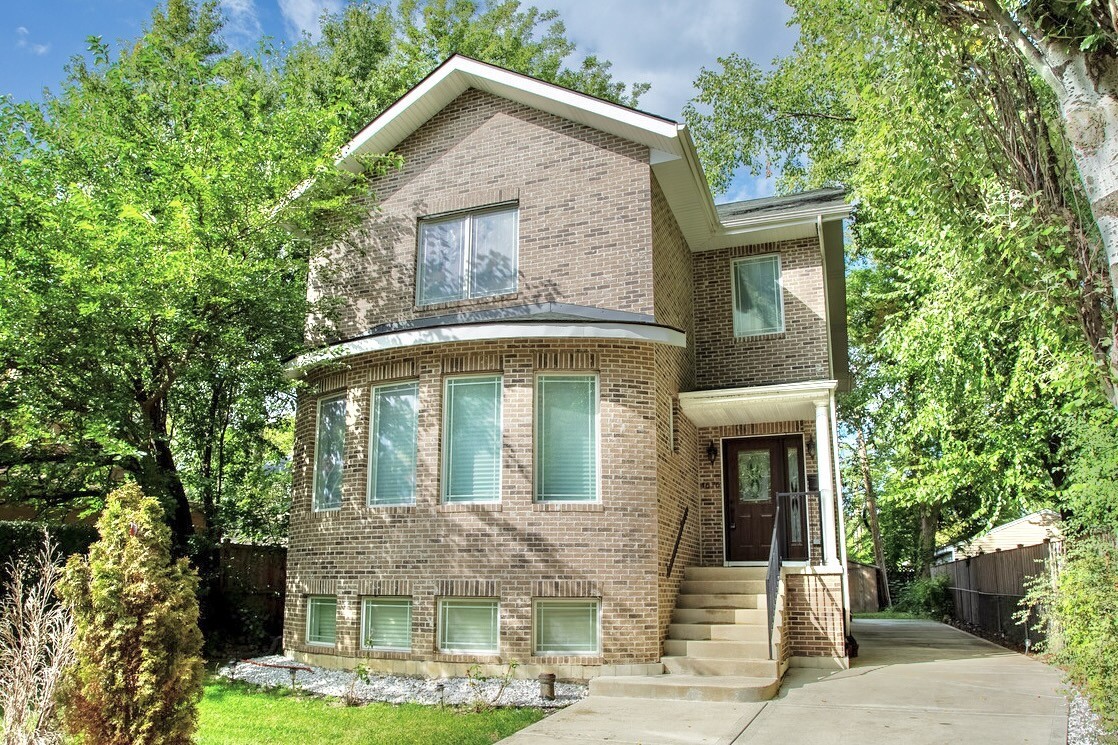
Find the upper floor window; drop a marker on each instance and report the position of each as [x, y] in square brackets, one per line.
[472, 439]
[467, 255]
[392, 444]
[329, 453]
[758, 296]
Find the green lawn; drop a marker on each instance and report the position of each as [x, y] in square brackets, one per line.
[890, 613]
[233, 713]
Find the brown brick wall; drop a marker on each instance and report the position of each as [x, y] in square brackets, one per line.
[797, 354]
[677, 475]
[515, 550]
[813, 622]
[584, 204]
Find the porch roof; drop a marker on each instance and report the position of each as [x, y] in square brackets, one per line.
[755, 404]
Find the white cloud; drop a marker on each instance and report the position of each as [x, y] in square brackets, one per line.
[666, 42]
[241, 20]
[23, 41]
[302, 16]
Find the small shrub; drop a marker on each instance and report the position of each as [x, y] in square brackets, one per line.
[477, 684]
[138, 676]
[36, 647]
[926, 596]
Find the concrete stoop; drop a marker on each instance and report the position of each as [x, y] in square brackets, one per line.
[717, 645]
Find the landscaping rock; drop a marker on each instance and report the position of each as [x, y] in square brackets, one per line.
[398, 689]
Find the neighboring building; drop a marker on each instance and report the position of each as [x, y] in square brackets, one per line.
[565, 391]
[1036, 527]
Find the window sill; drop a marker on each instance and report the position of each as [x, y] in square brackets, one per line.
[590, 658]
[386, 654]
[482, 658]
[568, 507]
[450, 304]
[392, 509]
[469, 507]
[761, 337]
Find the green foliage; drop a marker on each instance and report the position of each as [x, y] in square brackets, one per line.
[138, 677]
[927, 597]
[22, 539]
[1078, 615]
[238, 714]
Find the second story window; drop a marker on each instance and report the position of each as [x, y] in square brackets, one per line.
[758, 295]
[467, 255]
[472, 439]
[329, 453]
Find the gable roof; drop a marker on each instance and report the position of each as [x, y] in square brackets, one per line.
[672, 154]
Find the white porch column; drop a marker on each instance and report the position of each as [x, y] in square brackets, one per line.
[826, 482]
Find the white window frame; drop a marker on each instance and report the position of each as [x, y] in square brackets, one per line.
[459, 601]
[370, 497]
[538, 651]
[537, 440]
[738, 332]
[310, 614]
[467, 217]
[317, 449]
[395, 599]
[444, 449]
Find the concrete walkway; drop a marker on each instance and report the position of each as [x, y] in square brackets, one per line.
[915, 682]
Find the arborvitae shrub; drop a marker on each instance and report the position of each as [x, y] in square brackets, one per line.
[138, 676]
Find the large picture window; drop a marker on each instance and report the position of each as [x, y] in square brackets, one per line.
[567, 438]
[467, 255]
[329, 453]
[322, 620]
[566, 627]
[392, 444]
[386, 624]
[758, 296]
[469, 625]
[472, 440]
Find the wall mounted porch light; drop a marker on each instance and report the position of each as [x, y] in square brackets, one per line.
[712, 452]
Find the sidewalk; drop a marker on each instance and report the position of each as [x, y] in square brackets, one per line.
[916, 682]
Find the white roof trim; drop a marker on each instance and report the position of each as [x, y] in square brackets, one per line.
[487, 332]
[459, 73]
[767, 403]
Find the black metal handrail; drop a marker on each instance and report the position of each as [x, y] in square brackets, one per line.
[772, 577]
[678, 538]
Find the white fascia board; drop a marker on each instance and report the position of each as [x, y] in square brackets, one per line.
[806, 390]
[486, 332]
[458, 73]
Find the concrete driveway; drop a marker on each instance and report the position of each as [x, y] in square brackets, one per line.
[915, 682]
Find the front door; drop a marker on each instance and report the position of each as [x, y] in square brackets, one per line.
[755, 469]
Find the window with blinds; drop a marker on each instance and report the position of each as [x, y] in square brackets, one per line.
[386, 624]
[392, 444]
[329, 453]
[758, 296]
[472, 440]
[567, 438]
[322, 620]
[469, 625]
[566, 627]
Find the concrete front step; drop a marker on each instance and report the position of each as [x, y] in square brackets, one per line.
[722, 586]
[754, 616]
[724, 573]
[730, 688]
[732, 632]
[730, 650]
[719, 600]
[759, 668]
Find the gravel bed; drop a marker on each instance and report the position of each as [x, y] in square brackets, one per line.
[1083, 724]
[398, 689]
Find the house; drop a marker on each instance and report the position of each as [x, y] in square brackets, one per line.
[1036, 527]
[563, 393]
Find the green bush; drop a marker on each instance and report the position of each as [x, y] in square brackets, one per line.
[138, 676]
[926, 596]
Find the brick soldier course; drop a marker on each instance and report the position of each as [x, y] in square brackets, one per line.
[599, 229]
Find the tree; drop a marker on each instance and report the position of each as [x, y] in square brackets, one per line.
[976, 323]
[138, 673]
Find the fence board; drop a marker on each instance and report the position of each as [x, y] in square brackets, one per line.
[258, 574]
[987, 589]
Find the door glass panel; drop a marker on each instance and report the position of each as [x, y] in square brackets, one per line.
[796, 519]
[754, 476]
[794, 469]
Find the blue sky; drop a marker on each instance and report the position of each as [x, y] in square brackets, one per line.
[662, 42]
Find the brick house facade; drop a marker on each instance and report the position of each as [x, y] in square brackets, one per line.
[548, 270]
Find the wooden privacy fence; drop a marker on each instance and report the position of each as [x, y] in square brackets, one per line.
[257, 575]
[987, 589]
[864, 585]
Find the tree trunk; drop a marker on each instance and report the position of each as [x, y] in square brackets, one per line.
[875, 527]
[929, 526]
[164, 476]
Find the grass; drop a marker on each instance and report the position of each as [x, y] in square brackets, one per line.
[235, 713]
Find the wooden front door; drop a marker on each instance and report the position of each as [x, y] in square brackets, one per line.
[754, 470]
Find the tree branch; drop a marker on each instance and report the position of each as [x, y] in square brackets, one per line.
[815, 115]
[1023, 43]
